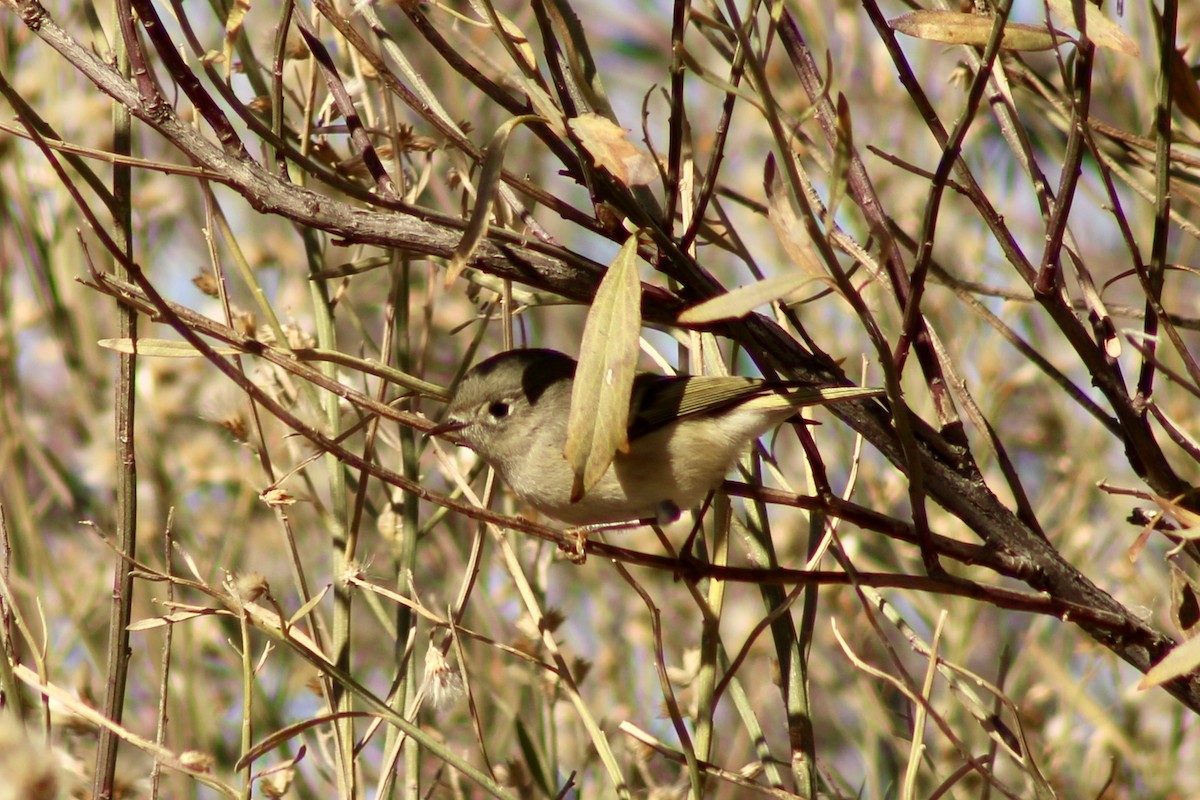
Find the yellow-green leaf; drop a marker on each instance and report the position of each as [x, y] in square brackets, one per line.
[233, 30]
[161, 348]
[953, 27]
[520, 43]
[598, 425]
[159, 622]
[304, 610]
[790, 229]
[739, 302]
[1180, 661]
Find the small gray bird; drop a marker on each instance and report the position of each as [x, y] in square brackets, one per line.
[685, 432]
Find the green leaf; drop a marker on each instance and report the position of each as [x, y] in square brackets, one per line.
[533, 759]
[598, 425]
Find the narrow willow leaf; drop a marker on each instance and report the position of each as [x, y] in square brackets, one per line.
[1180, 661]
[520, 42]
[952, 27]
[544, 105]
[739, 302]
[1100, 29]
[1185, 92]
[790, 229]
[578, 63]
[598, 425]
[350, 268]
[304, 610]
[695, 66]
[233, 30]
[161, 348]
[235, 20]
[1095, 305]
[485, 193]
[843, 153]
[533, 761]
[159, 622]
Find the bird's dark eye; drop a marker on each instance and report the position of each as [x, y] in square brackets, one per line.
[499, 409]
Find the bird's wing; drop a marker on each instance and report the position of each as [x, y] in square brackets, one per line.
[661, 399]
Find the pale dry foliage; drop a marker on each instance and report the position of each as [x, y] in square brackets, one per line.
[1020, 506]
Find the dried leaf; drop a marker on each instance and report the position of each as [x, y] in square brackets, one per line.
[739, 302]
[276, 497]
[611, 149]
[485, 193]
[1100, 29]
[953, 27]
[598, 425]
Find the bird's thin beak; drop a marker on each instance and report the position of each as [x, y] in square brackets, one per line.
[449, 426]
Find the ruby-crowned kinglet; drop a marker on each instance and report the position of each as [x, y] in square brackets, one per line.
[684, 433]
